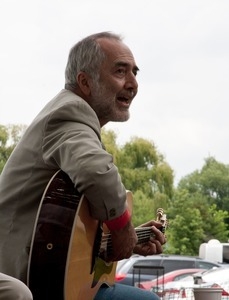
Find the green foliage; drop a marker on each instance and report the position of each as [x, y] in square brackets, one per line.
[109, 138]
[3, 149]
[143, 168]
[193, 221]
[3, 135]
[197, 211]
[212, 181]
[185, 229]
[215, 226]
[140, 153]
[143, 208]
[9, 137]
[215, 182]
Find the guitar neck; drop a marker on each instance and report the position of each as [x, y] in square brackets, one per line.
[144, 234]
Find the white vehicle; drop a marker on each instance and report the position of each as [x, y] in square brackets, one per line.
[183, 289]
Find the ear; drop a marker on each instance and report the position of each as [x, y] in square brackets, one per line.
[83, 83]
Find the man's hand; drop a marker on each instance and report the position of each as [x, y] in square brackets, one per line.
[123, 242]
[154, 246]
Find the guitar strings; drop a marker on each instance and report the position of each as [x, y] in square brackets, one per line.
[143, 234]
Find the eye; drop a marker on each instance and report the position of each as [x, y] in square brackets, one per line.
[135, 71]
[121, 71]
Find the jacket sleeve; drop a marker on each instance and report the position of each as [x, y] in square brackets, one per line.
[72, 141]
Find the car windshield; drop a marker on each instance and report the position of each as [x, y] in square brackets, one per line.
[216, 274]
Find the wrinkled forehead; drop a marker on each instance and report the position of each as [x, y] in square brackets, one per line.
[117, 51]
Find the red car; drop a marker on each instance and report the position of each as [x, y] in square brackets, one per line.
[168, 277]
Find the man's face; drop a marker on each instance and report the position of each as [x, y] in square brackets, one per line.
[112, 95]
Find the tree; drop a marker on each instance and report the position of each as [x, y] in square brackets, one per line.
[4, 152]
[143, 208]
[143, 168]
[194, 219]
[185, 225]
[109, 138]
[144, 171]
[212, 180]
[9, 137]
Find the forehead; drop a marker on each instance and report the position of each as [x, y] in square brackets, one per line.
[117, 52]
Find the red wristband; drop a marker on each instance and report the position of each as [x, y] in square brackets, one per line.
[118, 223]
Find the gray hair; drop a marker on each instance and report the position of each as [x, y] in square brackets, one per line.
[87, 56]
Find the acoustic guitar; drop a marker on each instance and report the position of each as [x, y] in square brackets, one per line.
[68, 245]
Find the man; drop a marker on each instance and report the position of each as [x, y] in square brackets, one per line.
[100, 84]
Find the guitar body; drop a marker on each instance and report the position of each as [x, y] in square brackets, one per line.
[64, 261]
[85, 271]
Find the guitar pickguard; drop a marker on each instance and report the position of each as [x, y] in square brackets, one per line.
[100, 268]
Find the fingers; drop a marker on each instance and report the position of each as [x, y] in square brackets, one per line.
[150, 248]
[124, 242]
[159, 236]
[152, 223]
[154, 246]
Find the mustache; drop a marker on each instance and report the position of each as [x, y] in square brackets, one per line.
[128, 94]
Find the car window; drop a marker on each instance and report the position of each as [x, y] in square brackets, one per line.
[204, 265]
[181, 276]
[146, 267]
[171, 265]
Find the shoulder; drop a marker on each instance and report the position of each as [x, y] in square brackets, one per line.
[68, 107]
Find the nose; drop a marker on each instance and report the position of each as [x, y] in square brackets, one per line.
[131, 83]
